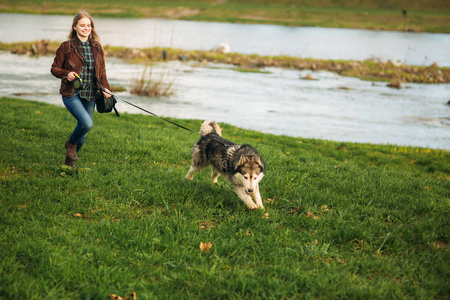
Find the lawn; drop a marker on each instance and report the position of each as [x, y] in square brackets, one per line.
[342, 220]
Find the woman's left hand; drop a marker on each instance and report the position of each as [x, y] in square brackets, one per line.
[107, 94]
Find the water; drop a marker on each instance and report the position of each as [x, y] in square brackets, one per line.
[321, 43]
[332, 107]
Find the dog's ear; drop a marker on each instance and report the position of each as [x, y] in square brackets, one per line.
[261, 163]
[242, 160]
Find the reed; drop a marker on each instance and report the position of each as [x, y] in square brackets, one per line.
[155, 82]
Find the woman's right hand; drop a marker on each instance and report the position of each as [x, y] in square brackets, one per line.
[71, 76]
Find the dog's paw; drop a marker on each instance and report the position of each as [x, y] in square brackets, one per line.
[252, 206]
[189, 177]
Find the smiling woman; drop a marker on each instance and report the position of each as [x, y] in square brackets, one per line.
[86, 67]
[83, 29]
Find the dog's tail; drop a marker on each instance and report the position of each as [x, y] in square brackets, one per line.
[210, 127]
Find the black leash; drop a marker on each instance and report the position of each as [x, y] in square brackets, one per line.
[155, 115]
[149, 112]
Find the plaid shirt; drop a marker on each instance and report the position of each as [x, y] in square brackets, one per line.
[87, 73]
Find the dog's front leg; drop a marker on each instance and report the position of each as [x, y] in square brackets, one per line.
[214, 175]
[190, 174]
[240, 191]
[257, 197]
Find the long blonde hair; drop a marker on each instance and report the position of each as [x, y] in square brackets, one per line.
[78, 17]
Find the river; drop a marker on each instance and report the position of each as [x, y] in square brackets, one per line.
[279, 102]
[313, 42]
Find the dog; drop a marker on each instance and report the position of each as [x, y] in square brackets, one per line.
[242, 165]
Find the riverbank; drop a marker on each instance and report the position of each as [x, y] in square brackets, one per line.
[372, 70]
[401, 15]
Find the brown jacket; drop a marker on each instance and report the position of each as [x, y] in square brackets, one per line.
[68, 59]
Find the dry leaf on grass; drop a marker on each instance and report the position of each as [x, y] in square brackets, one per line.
[205, 247]
[311, 215]
[131, 296]
[79, 215]
[440, 245]
[268, 200]
[206, 225]
[266, 216]
[23, 206]
[294, 210]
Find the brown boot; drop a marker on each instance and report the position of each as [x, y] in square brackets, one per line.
[69, 162]
[71, 150]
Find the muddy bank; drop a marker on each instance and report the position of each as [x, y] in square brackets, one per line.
[368, 70]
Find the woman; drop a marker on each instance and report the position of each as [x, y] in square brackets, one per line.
[69, 64]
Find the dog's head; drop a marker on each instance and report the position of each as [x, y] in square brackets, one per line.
[249, 168]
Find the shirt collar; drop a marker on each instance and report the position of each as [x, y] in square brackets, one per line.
[83, 43]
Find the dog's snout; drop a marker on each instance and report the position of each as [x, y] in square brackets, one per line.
[249, 191]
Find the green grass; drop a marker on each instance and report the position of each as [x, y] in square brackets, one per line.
[429, 16]
[129, 221]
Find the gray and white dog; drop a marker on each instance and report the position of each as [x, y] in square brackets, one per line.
[242, 165]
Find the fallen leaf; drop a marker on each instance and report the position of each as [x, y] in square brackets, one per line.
[325, 208]
[268, 200]
[206, 225]
[311, 215]
[266, 215]
[294, 210]
[440, 245]
[38, 112]
[131, 296]
[247, 233]
[79, 215]
[205, 247]
[22, 206]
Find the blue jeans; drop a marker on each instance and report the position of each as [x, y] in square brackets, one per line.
[83, 111]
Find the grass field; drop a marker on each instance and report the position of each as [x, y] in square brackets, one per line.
[342, 220]
[429, 16]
